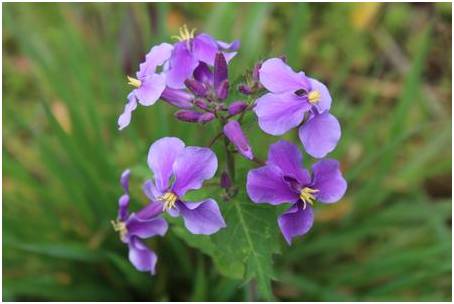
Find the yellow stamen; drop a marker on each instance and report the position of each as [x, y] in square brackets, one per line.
[185, 34]
[134, 82]
[120, 227]
[307, 196]
[314, 97]
[169, 200]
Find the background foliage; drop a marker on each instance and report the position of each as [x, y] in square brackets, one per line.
[388, 67]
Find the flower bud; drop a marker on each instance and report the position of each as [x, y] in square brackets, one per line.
[178, 98]
[225, 182]
[223, 90]
[188, 115]
[256, 71]
[198, 88]
[200, 103]
[206, 117]
[236, 136]
[245, 89]
[237, 107]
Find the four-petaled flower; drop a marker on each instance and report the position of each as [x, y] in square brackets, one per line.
[178, 169]
[133, 227]
[292, 96]
[284, 180]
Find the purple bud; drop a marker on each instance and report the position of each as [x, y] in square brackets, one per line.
[188, 115]
[206, 117]
[237, 107]
[226, 182]
[255, 71]
[200, 103]
[124, 180]
[178, 98]
[245, 89]
[202, 73]
[220, 70]
[235, 134]
[223, 90]
[198, 88]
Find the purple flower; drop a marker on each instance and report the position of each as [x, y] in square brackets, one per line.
[149, 84]
[133, 227]
[284, 180]
[190, 50]
[291, 96]
[178, 169]
[235, 134]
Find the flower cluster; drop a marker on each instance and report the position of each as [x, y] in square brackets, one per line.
[192, 75]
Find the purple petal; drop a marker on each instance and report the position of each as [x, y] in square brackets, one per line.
[278, 77]
[141, 257]
[324, 103]
[182, 64]
[123, 204]
[289, 159]
[151, 89]
[266, 185]
[124, 180]
[278, 113]
[178, 98]
[125, 118]
[204, 48]
[235, 134]
[146, 228]
[196, 87]
[296, 221]
[192, 167]
[157, 56]
[320, 134]
[223, 90]
[203, 73]
[201, 217]
[328, 180]
[161, 158]
[232, 46]
[150, 211]
[150, 190]
[220, 70]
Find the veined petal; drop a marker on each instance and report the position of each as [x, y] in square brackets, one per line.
[320, 134]
[278, 113]
[182, 64]
[289, 159]
[161, 158]
[141, 257]
[296, 221]
[328, 180]
[201, 217]
[156, 57]
[125, 118]
[277, 77]
[324, 103]
[266, 185]
[151, 89]
[192, 167]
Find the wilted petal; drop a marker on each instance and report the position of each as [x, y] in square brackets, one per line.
[286, 156]
[182, 64]
[125, 118]
[266, 185]
[324, 102]
[320, 134]
[161, 157]
[146, 228]
[235, 134]
[123, 204]
[296, 221]
[157, 56]
[192, 167]
[278, 77]
[141, 257]
[328, 180]
[278, 113]
[151, 89]
[177, 97]
[201, 217]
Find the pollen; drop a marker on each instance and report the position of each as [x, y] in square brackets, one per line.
[134, 82]
[185, 34]
[314, 97]
[169, 200]
[307, 196]
[120, 227]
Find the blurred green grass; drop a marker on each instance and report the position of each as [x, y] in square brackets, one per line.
[388, 68]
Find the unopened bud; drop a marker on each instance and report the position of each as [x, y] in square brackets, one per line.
[188, 115]
[206, 117]
[200, 103]
[198, 88]
[245, 89]
[237, 107]
[225, 182]
[223, 90]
